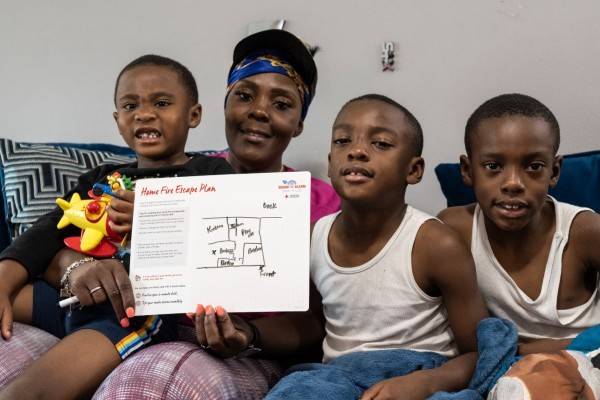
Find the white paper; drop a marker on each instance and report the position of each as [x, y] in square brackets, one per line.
[239, 241]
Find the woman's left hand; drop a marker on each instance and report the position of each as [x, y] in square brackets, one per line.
[223, 334]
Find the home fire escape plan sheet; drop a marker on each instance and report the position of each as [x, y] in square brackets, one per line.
[239, 241]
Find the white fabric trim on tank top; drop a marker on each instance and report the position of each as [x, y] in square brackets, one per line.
[384, 286]
[539, 317]
[369, 264]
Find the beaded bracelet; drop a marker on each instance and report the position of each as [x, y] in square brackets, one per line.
[65, 285]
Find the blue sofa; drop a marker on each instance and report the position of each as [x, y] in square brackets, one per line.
[579, 182]
[32, 176]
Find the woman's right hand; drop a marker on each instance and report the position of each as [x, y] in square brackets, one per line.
[226, 335]
[96, 281]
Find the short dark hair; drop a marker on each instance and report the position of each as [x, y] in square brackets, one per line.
[151, 59]
[417, 131]
[507, 105]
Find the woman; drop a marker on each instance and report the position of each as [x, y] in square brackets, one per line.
[270, 86]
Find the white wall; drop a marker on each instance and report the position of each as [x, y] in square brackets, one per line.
[59, 59]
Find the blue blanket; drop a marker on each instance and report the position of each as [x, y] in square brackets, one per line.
[348, 376]
[497, 346]
[588, 342]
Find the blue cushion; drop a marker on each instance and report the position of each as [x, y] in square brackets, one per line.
[453, 188]
[33, 175]
[579, 182]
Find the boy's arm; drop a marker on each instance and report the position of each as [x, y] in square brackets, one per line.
[449, 271]
[424, 383]
[13, 276]
[460, 219]
[442, 266]
[543, 346]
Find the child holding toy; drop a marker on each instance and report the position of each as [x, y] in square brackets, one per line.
[157, 103]
[265, 109]
[271, 84]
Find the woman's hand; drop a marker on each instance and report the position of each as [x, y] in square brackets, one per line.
[100, 280]
[120, 212]
[224, 334]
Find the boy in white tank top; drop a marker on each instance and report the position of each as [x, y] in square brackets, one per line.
[537, 259]
[390, 277]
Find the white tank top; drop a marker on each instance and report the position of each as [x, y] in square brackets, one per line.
[378, 305]
[539, 318]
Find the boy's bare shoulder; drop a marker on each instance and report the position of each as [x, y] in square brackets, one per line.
[458, 215]
[460, 218]
[585, 235]
[440, 255]
[439, 240]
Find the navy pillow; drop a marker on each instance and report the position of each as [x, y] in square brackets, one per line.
[579, 182]
[453, 188]
[33, 175]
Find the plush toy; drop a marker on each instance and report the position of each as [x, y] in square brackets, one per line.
[91, 217]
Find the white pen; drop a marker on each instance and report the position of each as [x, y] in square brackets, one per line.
[69, 301]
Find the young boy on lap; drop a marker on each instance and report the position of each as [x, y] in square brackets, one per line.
[537, 259]
[391, 277]
[156, 101]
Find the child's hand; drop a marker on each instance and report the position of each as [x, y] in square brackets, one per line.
[6, 315]
[95, 282]
[13, 277]
[414, 386]
[224, 334]
[120, 212]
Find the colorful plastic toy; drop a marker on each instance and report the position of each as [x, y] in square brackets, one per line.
[91, 217]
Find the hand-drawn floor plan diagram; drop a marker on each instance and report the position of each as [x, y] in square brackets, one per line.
[234, 242]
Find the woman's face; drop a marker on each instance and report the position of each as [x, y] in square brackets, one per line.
[262, 115]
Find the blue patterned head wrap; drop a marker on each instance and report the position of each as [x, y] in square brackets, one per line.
[267, 62]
